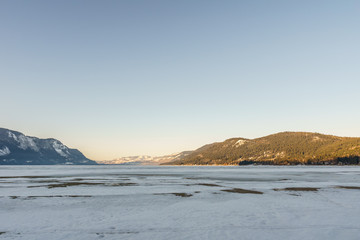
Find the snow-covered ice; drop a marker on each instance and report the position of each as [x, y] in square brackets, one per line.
[161, 202]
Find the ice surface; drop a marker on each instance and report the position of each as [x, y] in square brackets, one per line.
[160, 202]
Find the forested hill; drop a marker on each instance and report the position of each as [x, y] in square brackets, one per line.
[286, 148]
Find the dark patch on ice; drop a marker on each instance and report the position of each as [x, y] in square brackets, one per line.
[67, 184]
[60, 196]
[209, 184]
[145, 175]
[102, 234]
[243, 191]
[89, 179]
[122, 184]
[45, 181]
[26, 177]
[176, 194]
[50, 196]
[237, 179]
[71, 184]
[197, 192]
[141, 177]
[349, 187]
[182, 194]
[300, 189]
[2, 233]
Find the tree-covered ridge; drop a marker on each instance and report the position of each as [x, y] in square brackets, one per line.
[281, 149]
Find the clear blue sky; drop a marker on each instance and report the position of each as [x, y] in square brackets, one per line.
[118, 78]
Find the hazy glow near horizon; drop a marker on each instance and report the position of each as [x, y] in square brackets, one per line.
[118, 78]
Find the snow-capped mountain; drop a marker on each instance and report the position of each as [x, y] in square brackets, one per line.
[16, 148]
[147, 160]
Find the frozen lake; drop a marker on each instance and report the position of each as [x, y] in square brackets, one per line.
[141, 202]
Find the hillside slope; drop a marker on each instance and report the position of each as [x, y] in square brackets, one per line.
[18, 149]
[286, 148]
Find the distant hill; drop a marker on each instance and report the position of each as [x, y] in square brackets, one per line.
[147, 160]
[18, 149]
[286, 148]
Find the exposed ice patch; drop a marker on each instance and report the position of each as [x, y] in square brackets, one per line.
[4, 151]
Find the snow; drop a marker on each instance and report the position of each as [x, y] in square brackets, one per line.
[4, 151]
[27, 142]
[24, 141]
[61, 149]
[143, 159]
[240, 142]
[12, 135]
[145, 208]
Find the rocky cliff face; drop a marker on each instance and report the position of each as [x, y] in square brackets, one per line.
[18, 149]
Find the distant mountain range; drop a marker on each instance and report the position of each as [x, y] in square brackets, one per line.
[147, 160]
[18, 149]
[286, 148]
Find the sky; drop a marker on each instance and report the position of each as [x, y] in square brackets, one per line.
[121, 78]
